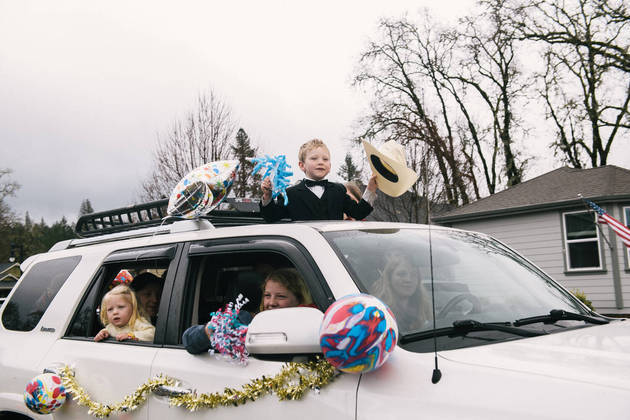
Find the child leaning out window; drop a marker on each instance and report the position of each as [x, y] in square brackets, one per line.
[119, 315]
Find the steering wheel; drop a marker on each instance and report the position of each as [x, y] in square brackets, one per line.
[455, 300]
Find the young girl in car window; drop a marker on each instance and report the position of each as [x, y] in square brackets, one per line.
[119, 315]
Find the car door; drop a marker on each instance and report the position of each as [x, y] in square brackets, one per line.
[109, 370]
[212, 273]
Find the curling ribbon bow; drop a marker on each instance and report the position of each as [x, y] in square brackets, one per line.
[276, 169]
[227, 333]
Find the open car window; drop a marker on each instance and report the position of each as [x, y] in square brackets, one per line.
[146, 278]
[218, 279]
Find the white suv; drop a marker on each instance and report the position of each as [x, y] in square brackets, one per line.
[509, 341]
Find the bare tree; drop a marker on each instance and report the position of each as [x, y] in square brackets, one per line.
[586, 80]
[8, 187]
[204, 136]
[489, 67]
[398, 110]
[411, 206]
[454, 90]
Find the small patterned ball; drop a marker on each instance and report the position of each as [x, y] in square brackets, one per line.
[123, 277]
[45, 393]
[358, 333]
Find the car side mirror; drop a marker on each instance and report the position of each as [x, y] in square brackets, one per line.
[285, 331]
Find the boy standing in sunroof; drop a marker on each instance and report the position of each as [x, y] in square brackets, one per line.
[315, 198]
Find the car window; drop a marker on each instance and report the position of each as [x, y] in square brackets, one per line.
[145, 278]
[218, 279]
[34, 294]
[474, 277]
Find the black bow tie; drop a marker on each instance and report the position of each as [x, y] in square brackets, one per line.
[310, 183]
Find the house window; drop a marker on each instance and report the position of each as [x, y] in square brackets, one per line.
[581, 239]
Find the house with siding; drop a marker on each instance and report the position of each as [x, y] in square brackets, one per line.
[9, 275]
[545, 220]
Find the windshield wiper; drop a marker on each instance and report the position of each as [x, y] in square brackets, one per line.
[468, 325]
[556, 315]
[464, 326]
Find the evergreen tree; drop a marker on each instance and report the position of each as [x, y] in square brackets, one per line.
[86, 207]
[348, 170]
[30, 238]
[59, 231]
[28, 223]
[245, 185]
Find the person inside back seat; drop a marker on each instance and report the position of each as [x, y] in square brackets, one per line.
[148, 288]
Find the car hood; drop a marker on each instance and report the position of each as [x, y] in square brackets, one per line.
[598, 355]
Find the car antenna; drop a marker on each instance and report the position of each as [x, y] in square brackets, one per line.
[437, 374]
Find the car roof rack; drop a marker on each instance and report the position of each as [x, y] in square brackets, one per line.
[231, 212]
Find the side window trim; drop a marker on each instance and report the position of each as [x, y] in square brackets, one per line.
[145, 253]
[171, 292]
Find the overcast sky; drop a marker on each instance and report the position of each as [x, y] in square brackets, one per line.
[86, 87]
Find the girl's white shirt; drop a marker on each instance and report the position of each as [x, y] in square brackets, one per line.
[142, 329]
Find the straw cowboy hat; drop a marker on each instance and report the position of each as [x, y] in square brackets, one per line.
[390, 166]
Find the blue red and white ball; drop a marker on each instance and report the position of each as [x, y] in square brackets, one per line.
[45, 393]
[358, 333]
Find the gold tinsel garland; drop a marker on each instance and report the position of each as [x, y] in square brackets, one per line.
[290, 384]
[100, 410]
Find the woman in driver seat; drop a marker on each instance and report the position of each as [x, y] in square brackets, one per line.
[400, 288]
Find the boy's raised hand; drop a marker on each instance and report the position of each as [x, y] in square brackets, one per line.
[372, 184]
[266, 188]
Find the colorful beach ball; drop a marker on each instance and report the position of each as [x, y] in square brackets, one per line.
[202, 189]
[45, 393]
[358, 333]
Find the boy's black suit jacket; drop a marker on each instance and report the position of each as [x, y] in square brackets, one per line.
[304, 205]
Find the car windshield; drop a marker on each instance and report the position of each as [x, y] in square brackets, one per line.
[475, 277]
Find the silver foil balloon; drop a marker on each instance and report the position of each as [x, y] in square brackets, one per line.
[202, 189]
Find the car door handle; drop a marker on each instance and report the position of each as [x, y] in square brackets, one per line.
[171, 391]
[56, 368]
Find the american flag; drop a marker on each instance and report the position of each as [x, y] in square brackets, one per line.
[602, 217]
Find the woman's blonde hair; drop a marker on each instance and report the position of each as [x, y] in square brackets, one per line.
[384, 291]
[127, 294]
[291, 279]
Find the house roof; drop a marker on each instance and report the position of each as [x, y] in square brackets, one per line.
[556, 189]
[7, 266]
[8, 282]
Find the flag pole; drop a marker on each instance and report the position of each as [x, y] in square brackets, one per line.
[599, 228]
